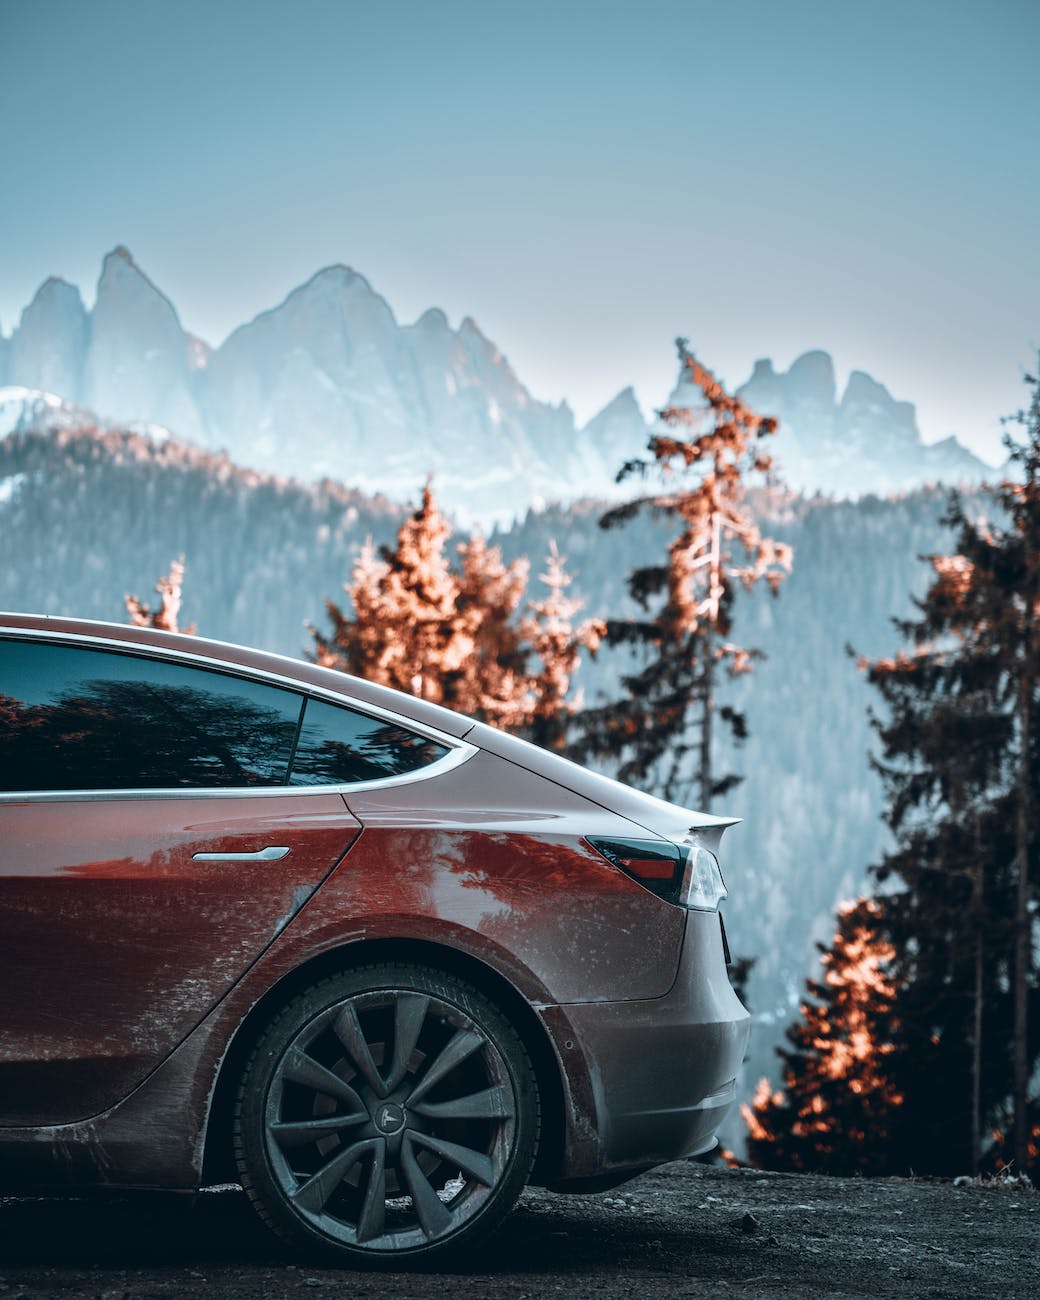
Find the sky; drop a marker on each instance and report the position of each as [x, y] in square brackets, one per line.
[587, 180]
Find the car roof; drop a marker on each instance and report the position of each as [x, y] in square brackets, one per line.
[225, 654]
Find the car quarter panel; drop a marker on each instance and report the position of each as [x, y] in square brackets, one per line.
[496, 850]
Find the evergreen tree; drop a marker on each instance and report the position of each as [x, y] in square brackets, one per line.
[457, 636]
[407, 632]
[170, 589]
[493, 683]
[687, 642]
[959, 766]
[556, 643]
[837, 1107]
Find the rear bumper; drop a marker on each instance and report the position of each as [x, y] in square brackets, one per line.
[657, 1077]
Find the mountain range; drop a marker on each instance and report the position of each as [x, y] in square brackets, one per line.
[329, 384]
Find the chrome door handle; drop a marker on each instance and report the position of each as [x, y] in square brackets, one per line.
[271, 854]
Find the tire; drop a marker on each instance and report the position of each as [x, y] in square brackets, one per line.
[388, 1115]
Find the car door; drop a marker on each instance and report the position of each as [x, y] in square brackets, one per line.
[150, 851]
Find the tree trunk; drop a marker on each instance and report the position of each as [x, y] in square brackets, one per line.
[1023, 827]
[713, 608]
[707, 710]
[976, 1034]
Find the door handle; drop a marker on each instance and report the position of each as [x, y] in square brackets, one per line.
[270, 854]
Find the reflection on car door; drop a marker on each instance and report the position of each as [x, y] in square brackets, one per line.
[116, 937]
[117, 941]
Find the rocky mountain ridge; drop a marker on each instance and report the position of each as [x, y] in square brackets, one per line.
[329, 383]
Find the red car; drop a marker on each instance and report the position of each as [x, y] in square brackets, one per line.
[379, 963]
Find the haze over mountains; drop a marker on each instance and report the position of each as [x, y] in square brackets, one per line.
[330, 384]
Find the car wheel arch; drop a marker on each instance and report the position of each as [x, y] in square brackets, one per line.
[218, 1162]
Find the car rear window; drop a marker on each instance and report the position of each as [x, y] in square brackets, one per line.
[80, 719]
[338, 746]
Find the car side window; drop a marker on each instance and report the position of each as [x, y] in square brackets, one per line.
[338, 746]
[73, 718]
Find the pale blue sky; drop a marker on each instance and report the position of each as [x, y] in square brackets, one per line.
[586, 180]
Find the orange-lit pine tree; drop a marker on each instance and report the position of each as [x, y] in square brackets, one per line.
[458, 636]
[557, 644]
[170, 589]
[493, 683]
[836, 1109]
[670, 705]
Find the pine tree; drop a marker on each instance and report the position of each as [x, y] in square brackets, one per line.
[456, 635]
[493, 683]
[687, 642]
[406, 632]
[170, 589]
[557, 644]
[837, 1108]
[944, 738]
[959, 766]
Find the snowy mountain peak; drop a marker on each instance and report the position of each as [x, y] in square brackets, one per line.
[328, 383]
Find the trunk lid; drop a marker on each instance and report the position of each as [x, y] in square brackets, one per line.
[668, 820]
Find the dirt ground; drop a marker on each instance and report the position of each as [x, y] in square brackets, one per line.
[685, 1229]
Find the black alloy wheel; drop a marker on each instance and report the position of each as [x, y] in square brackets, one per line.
[388, 1114]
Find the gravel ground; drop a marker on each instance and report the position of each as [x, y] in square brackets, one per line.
[683, 1230]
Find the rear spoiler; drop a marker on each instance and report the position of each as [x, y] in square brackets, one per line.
[707, 831]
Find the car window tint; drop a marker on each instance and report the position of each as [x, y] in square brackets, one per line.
[77, 719]
[337, 746]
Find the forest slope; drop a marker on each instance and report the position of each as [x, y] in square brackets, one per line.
[87, 517]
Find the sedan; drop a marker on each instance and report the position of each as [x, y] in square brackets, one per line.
[378, 963]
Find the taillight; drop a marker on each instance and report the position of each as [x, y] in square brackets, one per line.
[684, 874]
[703, 888]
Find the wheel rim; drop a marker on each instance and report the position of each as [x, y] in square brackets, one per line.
[390, 1120]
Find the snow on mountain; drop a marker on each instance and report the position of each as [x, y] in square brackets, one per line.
[24, 410]
[329, 383]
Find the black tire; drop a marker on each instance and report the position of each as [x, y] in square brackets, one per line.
[388, 1115]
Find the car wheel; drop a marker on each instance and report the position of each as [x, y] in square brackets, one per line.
[388, 1114]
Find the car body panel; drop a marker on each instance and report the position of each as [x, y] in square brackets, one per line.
[664, 1072]
[668, 820]
[499, 851]
[117, 942]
